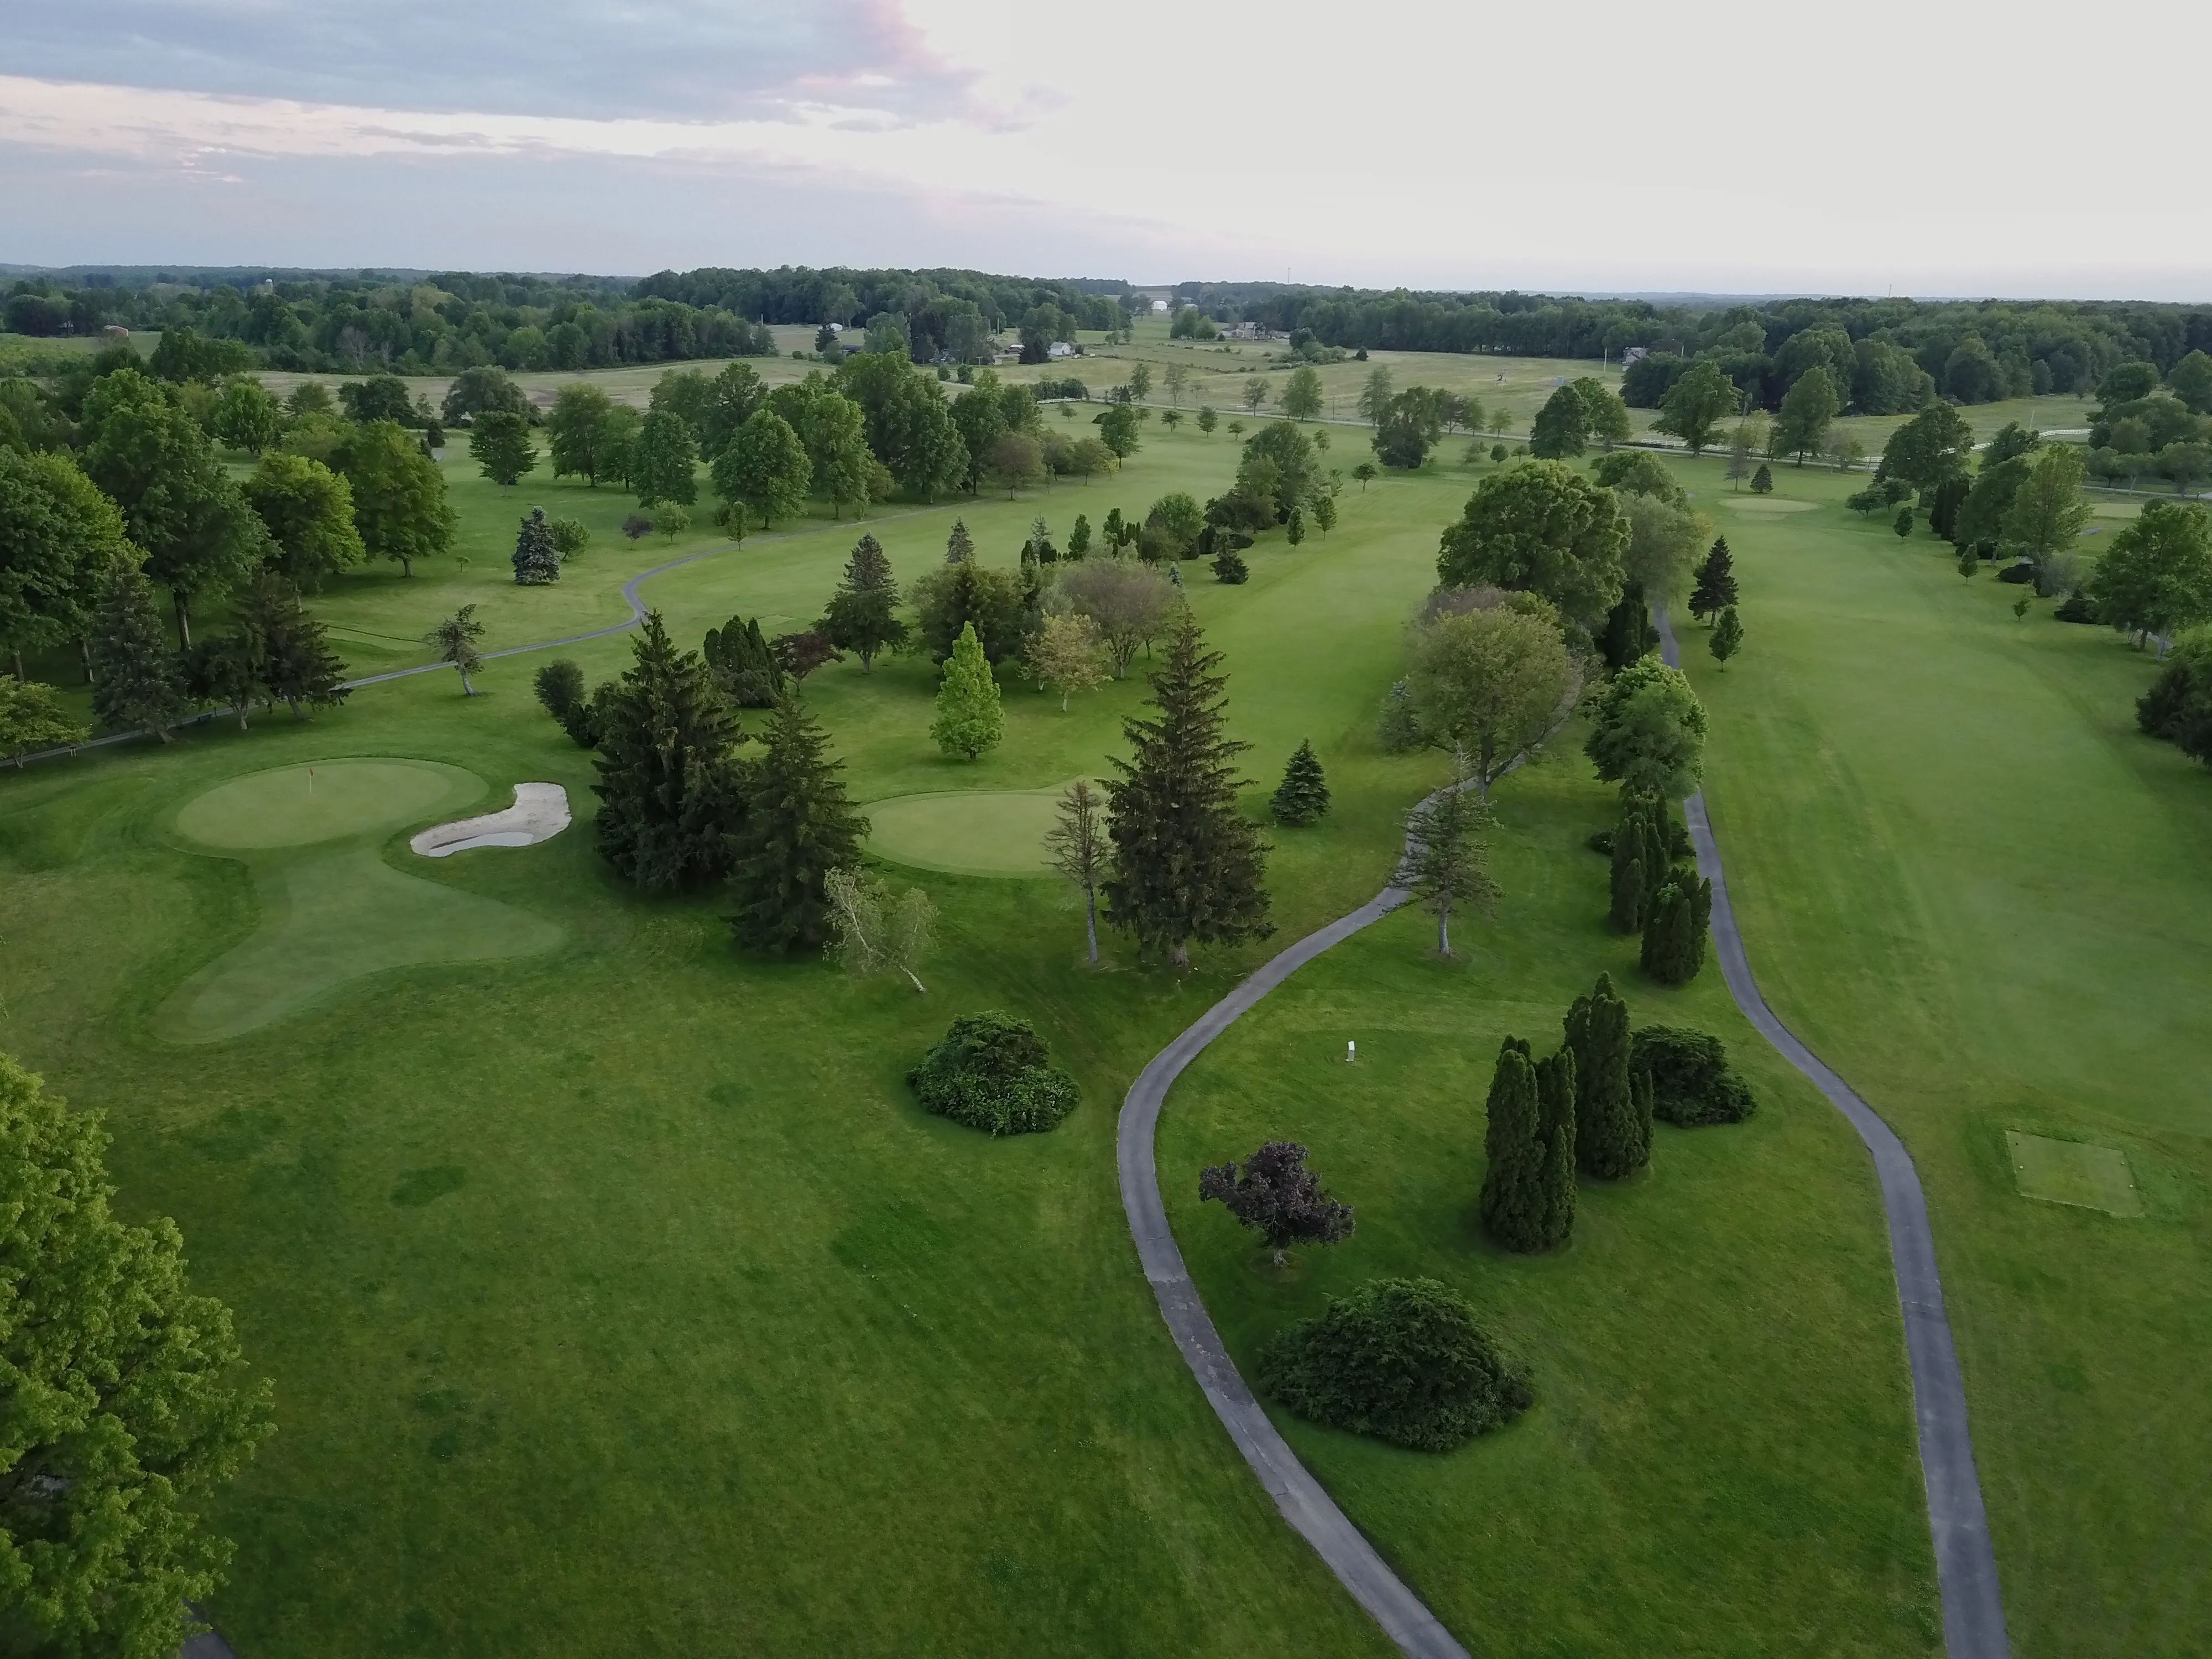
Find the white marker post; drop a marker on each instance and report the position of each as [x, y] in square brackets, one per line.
[1351, 1053]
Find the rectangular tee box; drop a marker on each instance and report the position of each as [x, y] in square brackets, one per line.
[2072, 1172]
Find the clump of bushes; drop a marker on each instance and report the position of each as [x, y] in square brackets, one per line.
[559, 686]
[1401, 1359]
[993, 1071]
[1691, 1083]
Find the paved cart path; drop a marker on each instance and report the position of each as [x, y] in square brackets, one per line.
[1973, 1616]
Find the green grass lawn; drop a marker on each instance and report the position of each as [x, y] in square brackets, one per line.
[618, 1297]
[1969, 884]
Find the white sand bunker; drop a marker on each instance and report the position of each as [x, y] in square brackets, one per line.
[539, 813]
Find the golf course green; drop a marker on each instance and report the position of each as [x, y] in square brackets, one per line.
[617, 1295]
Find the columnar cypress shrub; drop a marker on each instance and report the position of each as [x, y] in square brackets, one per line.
[1303, 796]
[743, 662]
[1555, 1128]
[536, 559]
[1513, 1187]
[1612, 1138]
[1674, 931]
[1641, 857]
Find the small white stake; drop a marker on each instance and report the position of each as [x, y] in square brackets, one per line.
[1351, 1053]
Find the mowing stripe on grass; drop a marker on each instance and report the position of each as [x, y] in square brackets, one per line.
[1966, 1563]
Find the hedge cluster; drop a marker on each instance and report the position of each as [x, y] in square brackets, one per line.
[1691, 1082]
[1401, 1359]
[993, 1073]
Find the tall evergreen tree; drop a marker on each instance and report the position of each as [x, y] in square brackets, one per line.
[668, 787]
[537, 560]
[1446, 865]
[1611, 1139]
[969, 719]
[1715, 582]
[1189, 865]
[136, 679]
[1303, 795]
[798, 827]
[959, 546]
[1728, 635]
[1555, 1128]
[1513, 1195]
[1640, 858]
[297, 664]
[1674, 932]
[744, 663]
[863, 615]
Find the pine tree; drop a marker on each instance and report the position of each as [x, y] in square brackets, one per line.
[1078, 540]
[536, 559]
[959, 546]
[1727, 636]
[297, 663]
[1446, 865]
[668, 782]
[1610, 1140]
[1715, 583]
[225, 669]
[863, 615]
[1555, 1097]
[1078, 848]
[1762, 481]
[135, 680]
[1303, 796]
[1512, 1203]
[1229, 565]
[969, 719]
[1675, 932]
[797, 827]
[1189, 865]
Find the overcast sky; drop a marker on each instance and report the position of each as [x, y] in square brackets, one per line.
[1913, 146]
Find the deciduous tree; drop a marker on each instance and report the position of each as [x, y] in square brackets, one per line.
[1278, 1198]
[128, 1405]
[1128, 602]
[1697, 404]
[664, 461]
[1490, 684]
[1728, 635]
[1649, 731]
[572, 425]
[1807, 409]
[500, 444]
[1065, 655]
[1077, 846]
[875, 931]
[1301, 394]
[1541, 529]
[59, 535]
[398, 496]
[765, 469]
[2155, 578]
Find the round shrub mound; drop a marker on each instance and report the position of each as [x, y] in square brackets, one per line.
[993, 1073]
[1691, 1083]
[1401, 1359]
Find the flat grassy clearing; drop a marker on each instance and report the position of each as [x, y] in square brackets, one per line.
[1969, 884]
[618, 1296]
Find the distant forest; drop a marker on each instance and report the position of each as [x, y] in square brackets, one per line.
[1890, 356]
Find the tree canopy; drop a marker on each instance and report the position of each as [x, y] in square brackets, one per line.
[1541, 529]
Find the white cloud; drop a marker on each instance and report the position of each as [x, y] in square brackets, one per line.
[1725, 146]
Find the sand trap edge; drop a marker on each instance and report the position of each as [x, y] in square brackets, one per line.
[539, 813]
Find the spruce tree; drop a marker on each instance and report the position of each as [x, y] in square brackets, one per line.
[1512, 1203]
[863, 615]
[1229, 565]
[1303, 796]
[1188, 865]
[668, 782]
[1446, 865]
[536, 559]
[1763, 480]
[969, 719]
[297, 663]
[797, 827]
[959, 546]
[1610, 1143]
[1674, 933]
[136, 679]
[1727, 636]
[1555, 1128]
[1715, 583]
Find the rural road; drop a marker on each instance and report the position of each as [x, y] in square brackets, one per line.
[1966, 1565]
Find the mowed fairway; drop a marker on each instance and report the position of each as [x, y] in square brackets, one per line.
[1969, 884]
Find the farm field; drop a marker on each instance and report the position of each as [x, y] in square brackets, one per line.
[618, 1296]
